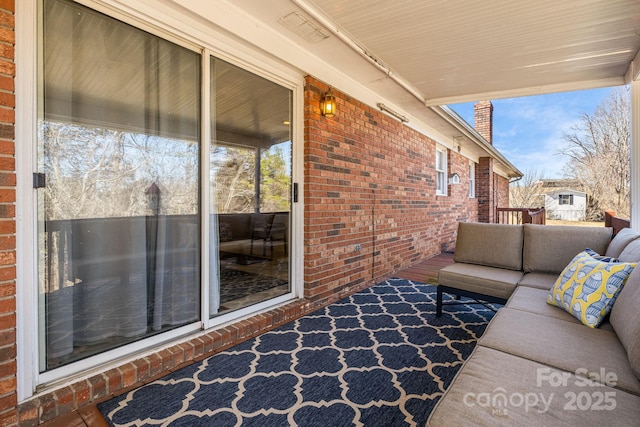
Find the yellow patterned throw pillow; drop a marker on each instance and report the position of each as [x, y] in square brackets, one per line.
[588, 287]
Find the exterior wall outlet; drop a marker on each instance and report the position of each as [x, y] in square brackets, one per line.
[357, 247]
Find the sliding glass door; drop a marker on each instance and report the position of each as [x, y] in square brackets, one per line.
[250, 182]
[119, 170]
[119, 182]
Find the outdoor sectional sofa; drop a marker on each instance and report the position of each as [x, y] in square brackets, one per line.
[537, 363]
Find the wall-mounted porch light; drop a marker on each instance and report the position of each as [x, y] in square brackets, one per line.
[328, 104]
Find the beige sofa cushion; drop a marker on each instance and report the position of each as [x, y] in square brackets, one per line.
[560, 344]
[548, 249]
[539, 280]
[492, 281]
[631, 252]
[625, 319]
[620, 241]
[534, 300]
[491, 374]
[494, 245]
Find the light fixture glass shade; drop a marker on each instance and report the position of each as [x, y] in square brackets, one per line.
[328, 104]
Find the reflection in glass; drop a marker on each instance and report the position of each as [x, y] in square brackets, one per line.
[118, 142]
[251, 186]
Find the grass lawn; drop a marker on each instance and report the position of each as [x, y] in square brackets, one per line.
[583, 223]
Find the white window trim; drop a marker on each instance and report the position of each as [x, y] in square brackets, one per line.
[208, 43]
[472, 179]
[444, 190]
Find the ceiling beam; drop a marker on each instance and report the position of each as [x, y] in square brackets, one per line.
[528, 91]
[633, 72]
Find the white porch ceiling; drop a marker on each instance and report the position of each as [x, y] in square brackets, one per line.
[417, 56]
[449, 51]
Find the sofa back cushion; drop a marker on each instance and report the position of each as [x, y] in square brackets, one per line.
[625, 319]
[549, 248]
[493, 245]
[620, 242]
[631, 252]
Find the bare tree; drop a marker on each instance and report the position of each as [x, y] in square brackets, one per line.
[100, 173]
[599, 154]
[525, 193]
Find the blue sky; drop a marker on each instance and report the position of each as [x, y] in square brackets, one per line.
[528, 130]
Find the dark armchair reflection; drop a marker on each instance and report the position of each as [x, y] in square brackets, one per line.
[269, 228]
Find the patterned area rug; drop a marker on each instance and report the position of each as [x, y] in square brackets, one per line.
[377, 358]
[236, 284]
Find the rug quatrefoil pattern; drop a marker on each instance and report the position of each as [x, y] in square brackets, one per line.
[379, 357]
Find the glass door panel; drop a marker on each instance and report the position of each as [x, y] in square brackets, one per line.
[118, 146]
[251, 154]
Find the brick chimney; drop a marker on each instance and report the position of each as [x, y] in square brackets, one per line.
[483, 115]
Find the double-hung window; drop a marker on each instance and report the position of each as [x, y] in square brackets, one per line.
[565, 199]
[472, 179]
[441, 171]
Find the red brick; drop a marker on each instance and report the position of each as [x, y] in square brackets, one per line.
[7, 368]
[7, 19]
[7, 179]
[65, 402]
[8, 401]
[7, 242]
[7, 321]
[7, 99]
[114, 380]
[7, 147]
[7, 164]
[7, 258]
[129, 375]
[7, 337]
[82, 393]
[47, 408]
[8, 5]
[155, 364]
[7, 35]
[7, 227]
[188, 351]
[7, 115]
[98, 387]
[10, 419]
[7, 196]
[7, 273]
[6, 82]
[28, 413]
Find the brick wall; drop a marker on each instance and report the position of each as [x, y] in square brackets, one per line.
[483, 119]
[501, 191]
[485, 189]
[370, 181]
[492, 190]
[8, 382]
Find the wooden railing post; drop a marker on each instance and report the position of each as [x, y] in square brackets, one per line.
[608, 217]
[611, 220]
[520, 216]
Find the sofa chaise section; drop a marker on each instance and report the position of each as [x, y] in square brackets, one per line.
[536, 364]
[487, 263]
[491, 260]
[495, 388]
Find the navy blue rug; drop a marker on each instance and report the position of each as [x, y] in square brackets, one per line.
[377, 358]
